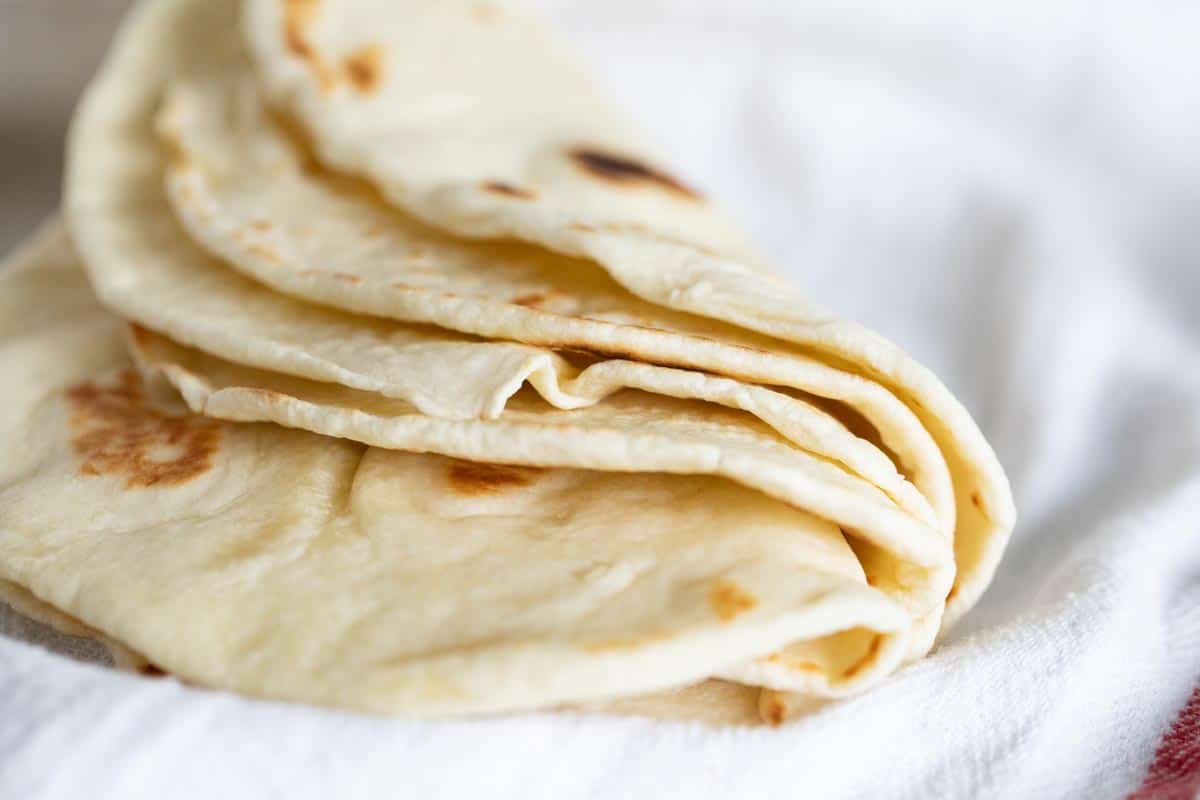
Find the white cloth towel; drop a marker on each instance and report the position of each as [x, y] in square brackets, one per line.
[1011, 191]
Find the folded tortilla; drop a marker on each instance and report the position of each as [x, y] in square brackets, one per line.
[289, 565]
[462, 97]
[417, 227]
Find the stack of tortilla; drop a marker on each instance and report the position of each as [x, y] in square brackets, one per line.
[379, 366]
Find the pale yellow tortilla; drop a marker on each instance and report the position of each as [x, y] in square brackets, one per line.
[293, 566]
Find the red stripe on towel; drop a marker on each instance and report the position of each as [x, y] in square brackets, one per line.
[1175, 772]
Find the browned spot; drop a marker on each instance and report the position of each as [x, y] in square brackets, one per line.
[262, 225]
[729, 600]
[531, 299]
[301, 12]
[475, 478]
[582, 227]
[298, 16]
[364, 68]
[774, 711]
[346, 277]
[861, 664]
[115, 431]
[952, 593]
[507, 189]
[297, 42]
[151, 671]
[977, 501]
[618, 169]
[264, 252]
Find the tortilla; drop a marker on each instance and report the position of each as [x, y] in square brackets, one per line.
[288, 565]
[712, 702]
[506, 106]
[626, 328]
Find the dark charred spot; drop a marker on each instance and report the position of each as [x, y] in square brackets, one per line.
[364, 68]
[862, 663]
[115, 431]
[508, 190]
[617, 169]
[151, 671]
[475, 478]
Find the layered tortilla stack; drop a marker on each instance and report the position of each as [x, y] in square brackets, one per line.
[380, 366]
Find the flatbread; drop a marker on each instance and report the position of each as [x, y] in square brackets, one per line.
[712, 702]
[627, 329]
[507, 107]
[288, 565]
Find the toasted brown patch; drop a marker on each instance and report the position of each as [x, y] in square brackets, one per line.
[151, 671]
[861, 664]
[475, 478]
[300, 12]
[774, 711]
[617, 169]
[952, 593]
[582, 227]
[116, 432]
[364, 68]
[346, 277]
[508, 190]
[298, 16]
[729, 600]
[261, 225]
[977, 501]
[532, 299]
